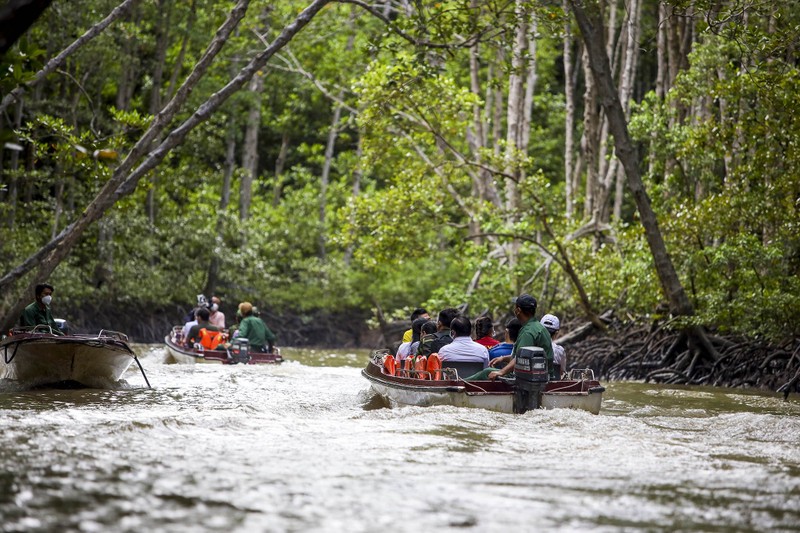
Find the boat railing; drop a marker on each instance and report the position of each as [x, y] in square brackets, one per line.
[581, 374]
[110, 334]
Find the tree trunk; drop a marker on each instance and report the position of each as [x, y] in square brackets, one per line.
[569, 124]
[250, 153]
[357, 174]
[16, 17]
[324, 179]
[280, 163]
[224, 200]
[591, 28]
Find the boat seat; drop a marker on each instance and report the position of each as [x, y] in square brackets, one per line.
[464, 368]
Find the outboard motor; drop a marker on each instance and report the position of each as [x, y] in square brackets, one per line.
[531, 374]
[239, 352]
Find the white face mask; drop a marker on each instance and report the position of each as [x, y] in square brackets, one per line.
[214, 307]
[47, 299]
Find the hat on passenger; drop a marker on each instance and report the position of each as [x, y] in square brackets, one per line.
[526, 302]
[245, 308]
[551, 323]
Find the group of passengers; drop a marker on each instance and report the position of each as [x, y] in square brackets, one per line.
[206, 327]
[454, 339]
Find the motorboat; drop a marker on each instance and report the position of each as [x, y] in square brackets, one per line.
[226, 353]
[41, 356]
[419, 383]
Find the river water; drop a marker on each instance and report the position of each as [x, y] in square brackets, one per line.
[303, 447]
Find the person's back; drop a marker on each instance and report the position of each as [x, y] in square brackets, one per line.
[38, 313]
[193, 336]
[443, 337]
[427, 336]
[254, 329]
[463, 348]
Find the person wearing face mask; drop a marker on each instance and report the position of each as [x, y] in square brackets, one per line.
[38, 313]
[217, 317]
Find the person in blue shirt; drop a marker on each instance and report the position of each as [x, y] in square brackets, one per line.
[500, 355]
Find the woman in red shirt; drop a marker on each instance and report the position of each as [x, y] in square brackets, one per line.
[484, 328]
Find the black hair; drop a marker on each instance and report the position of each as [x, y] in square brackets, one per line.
[202, 313]
[427, 328]
[512, 327]
[41, 287]
[416, 328]
[460, 326]
[418, 312]
[446, 316]
[483, 326]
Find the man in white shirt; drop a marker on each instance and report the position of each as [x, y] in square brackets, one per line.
[463, 348]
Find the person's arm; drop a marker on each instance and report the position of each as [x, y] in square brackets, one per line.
[505, 370]
[498, 361]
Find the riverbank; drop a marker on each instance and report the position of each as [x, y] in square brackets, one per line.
[657, 353]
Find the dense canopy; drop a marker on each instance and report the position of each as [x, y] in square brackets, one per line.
[336, 157]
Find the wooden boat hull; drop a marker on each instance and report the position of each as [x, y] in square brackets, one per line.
[492, 395]
[187, 356]
[43, 358]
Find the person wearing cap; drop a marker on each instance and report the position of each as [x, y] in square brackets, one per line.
[552, 324]
[532, 333]
[252, 328]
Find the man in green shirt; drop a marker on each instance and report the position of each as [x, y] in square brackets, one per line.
[532, 333]
[254, 329]
[38, 313]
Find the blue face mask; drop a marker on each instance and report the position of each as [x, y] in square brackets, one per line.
[47, 299]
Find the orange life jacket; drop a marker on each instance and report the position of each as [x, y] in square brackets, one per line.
[389, 365]
[420, 367]
[210, 339]
[434, 366]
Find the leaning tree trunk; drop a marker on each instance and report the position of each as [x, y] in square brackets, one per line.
[592, 31]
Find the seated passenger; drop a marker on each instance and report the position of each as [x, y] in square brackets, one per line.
[463, 348]
[427, 335]
[419, 312]
[484, 328]
[552, 324]
[217, 317]
[202, 323]
[500, 355]
[442, 334]
[410, 347]
[259, 336]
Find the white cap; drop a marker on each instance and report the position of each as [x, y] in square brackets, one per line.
[551, 322]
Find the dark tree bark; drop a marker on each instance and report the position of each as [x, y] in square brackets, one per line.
[15, 19]
[591, 26]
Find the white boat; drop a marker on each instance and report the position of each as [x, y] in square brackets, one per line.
[398, 387]
[37, 356]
